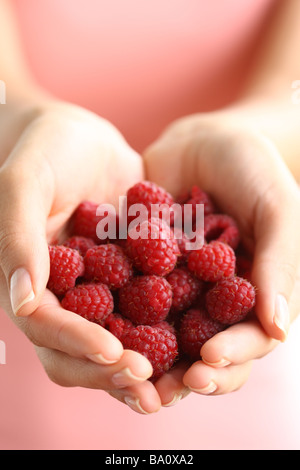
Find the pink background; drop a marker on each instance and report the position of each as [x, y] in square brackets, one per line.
[141, 65]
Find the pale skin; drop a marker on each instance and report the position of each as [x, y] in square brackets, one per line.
[246, 156]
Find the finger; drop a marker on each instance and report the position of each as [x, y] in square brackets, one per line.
[238, 344]
[142, 398]
[67, 371]
[52, 327]
[24, 257]
[206, 380]
[170, 386]
[277, 257]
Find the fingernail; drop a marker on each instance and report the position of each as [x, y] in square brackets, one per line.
[282, 315]
[177, 397]
[134, 404]
[221, 363]
[21, 291]
[125, 377]
[99, 359]
[210, 388]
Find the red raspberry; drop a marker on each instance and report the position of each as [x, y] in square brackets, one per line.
[198, 196]
[94, 302]
[195, 329]
[146, 299]
[108, 264]
[158, 345]
[230, 300]
[152, 247]
[81, 244]
[117, 324]
[66, 266]
[148, 194]
[212, 262]
[85, 221]
[223, 228]
[186, 288]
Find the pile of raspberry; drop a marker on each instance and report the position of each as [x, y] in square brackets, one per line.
[152, 291]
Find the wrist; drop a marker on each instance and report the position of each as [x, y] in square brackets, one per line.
[276, 119]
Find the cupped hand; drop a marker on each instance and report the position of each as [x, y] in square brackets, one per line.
[52, 158]
[245, 175]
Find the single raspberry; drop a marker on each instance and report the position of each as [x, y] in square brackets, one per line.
[81, 244]
[152, 247]
[195, 329]
[117, 324]
[146, 299]
[198, 196]
[86, 222]
[66, 266]
[186, 289]
[108, 264]
[158, 345]
[148, 194]
[230, 300]
[213, 262]
[94, 302]
[223, 228]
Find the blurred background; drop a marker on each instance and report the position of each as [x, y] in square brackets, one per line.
[142, 62]
[141, 65]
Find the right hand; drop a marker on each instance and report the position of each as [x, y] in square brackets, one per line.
[246, 176]
[52, 158]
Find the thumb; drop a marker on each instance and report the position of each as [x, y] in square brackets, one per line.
[24, 256]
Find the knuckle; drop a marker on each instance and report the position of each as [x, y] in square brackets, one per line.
[290, 272]
[51, 366]
[29, 332]
[8, 239]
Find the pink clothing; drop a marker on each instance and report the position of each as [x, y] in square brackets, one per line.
[142, 65]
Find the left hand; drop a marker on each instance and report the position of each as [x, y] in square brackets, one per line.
[52, 157]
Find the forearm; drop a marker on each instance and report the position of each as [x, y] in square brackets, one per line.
[268, 102]
[276, 62]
